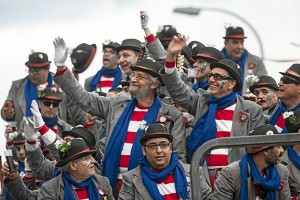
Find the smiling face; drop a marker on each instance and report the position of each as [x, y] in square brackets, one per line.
[83, 168]
[203, 68]
[126, 59]
[222, 87]
[159, 158]
[289, 91]
[234, 48]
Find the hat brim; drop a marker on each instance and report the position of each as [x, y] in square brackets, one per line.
[253, 87]
[76, 135]
[231, 72]
[290, 75]
[156, 135]
[88, 62]
[152, 73]
[136, 49]
[74, 157]
[54, 98]
[238, 37]
[205, 57]
[44, 64]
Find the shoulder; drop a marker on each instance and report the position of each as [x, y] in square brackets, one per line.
[282, 169]
[133, 172]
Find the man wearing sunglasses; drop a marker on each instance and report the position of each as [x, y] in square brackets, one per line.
[289, 95]
[159, 175]
[219, 111]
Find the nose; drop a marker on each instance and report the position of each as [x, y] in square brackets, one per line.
[92, 160]
[158, 149]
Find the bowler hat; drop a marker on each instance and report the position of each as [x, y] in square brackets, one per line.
[234, 33]
[165, 34]
[232, 68]
[195, 47]
[131, 44]
[80, 132]
[265, 129]
[187, 53]
[292, 123]
[155, 131]
[149, 66]
[20, 139]
[295, 68]
[50, 94]
[82, 56]
[77, 149]
[264, 81]
[209, 54]
[38, 59]
[111, 44]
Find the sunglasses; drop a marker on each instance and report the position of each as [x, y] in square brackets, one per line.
[287, 80]
[218, 77]
[48, 103]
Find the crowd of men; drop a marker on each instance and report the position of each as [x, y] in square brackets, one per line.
[131, 131]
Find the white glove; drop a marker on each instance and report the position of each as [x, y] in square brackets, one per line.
[30, 132]
[144, 20]
[27, 168]
[61, 52]
[37, 117]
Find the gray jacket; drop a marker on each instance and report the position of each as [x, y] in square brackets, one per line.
[197, 104]
[55, 189]
[294, 172]
[110, 110]
[133, 186]
[228, 183]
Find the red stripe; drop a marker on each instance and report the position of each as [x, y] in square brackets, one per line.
[173, 196]
[217, 160]
[222, 134]
[150, 38]
[143, 107]
[170, 64]
[61, 71]
[130, 137]
[138, 115]
[43, 129]
[82, 193]
[124, 160]
[280, 121]
[167, 180]
[224, 114]
[105, 83]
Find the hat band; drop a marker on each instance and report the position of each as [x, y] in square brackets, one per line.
[206, 56]
[44, 64]
[236, 36]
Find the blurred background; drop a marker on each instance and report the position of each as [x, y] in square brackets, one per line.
[272, 28]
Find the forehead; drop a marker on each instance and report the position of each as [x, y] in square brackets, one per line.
[157, 140]
[218, 70]
[140, 72]
[262, 88]
[235, 40]
[69, 138]
[108, 48]
[126, 51]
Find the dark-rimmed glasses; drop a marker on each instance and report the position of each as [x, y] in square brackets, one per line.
[34, 70]
[154, 146]
[138, 76]
[287, 80]
[48, 103]
[218, 77]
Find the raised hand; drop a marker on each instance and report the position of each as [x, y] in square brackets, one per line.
[144, 20]
[37, 116]
[30, 132]
[176, 45]
[61, 52]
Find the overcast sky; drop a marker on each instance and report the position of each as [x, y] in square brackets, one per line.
[33, 24]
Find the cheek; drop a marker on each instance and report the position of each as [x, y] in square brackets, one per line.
[86, 162]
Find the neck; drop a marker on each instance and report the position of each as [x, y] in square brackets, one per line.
[260, 163]
[291, 103]
[203, 79]
[76, 177]
[147, 100]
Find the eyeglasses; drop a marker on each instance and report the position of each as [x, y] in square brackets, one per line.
[287, 80]
[138, 76]
[218, 77]
[35, 70]
[48, 103]
[162, 145]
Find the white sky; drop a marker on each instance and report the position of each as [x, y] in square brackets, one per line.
[33, 24]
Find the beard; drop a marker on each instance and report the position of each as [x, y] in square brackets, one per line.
[139, 93]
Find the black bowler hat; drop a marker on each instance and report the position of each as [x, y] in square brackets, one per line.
[165, 34]
[155, 131]
[50, 94]
[187, 53]
[113, 45]
[234, 33]
[38, 59]
[232, 68]
[77, 149]
[292, 123]
[80, 132]
[20, 139]
[131, 44]
[264, 81]
[209, 54]
[195, 47]
[149, 66]
[82, 56]
[295, 68]
[265, 129]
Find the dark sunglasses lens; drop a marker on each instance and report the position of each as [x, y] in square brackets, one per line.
[48, 103]
[287, 80]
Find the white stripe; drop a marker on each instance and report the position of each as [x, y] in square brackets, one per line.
[224, 125]
[105, 89]
[134, 126]
[49, 137]
[141, 109]
[126, 149]
[103, 78]
[232, 107]
[279, 129]
[219, 152]
[166, 188]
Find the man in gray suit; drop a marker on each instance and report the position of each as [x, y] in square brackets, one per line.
[125, 115]
[219, 112]
[160, 174]
[257, 175]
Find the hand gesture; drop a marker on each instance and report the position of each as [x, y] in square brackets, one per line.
[61, 52]
[30, 132]
[90, 119]
[176, 45]
[8, 109]
[11, 175]
[144, 19]
[37, 116]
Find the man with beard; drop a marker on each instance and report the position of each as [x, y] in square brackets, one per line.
[125, 116]
[110, 75]
[289, 95]
[257, 175]
[265, 92]
[235, 51]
